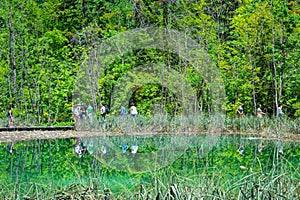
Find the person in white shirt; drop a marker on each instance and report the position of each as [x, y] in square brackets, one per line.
[102, 110]
[260, 112]
[133, 110]
[279, 110]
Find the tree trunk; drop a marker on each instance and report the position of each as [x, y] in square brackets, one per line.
[274, 67]
[84, 9]
[12, 59]
[137, 13]
[165, 13]
[253, 82]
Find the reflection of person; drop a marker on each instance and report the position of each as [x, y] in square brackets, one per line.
[90, 148]
[123, 111]
[280, 150]
[133, 110]
[279, 110]
[241, 151]
[10, 147]
[103, 150]
[240, 111]
[134, 149]
[77, 148]
[10, 117]
[260, 112]
[124, 148]
[260, 147]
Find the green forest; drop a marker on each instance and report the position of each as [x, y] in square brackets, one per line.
[255, 45]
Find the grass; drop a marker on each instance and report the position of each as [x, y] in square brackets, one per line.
[192, 123]
[196, 124]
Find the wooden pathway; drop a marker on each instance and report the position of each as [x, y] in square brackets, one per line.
[58, 132]
[35, 128]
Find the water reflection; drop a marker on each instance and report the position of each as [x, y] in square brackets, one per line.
[10, 147]
[82, 148]
[62, 161]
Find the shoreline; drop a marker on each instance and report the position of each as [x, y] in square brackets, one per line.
[13, 136]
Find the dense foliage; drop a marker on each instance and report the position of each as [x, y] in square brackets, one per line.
[255, 44]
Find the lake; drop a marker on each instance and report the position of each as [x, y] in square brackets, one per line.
[225, 166]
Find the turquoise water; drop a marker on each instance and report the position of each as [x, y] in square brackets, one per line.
[53, 164]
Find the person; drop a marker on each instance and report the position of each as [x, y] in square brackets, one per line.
[83, 112]
[260, 112]
[133, 110]
[240, 111]
[76, 114]
[279, 110]
[10, 117]
[123, 111]
[102, 110]
[90, 113]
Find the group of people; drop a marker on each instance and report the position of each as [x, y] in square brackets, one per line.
[134, 149]
[83, 149]
[133, 110]
[241, 150]
[82, 112]
[123, 111]
[260, 113]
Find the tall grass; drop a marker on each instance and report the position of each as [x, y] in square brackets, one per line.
[194, 124]
[174, 124]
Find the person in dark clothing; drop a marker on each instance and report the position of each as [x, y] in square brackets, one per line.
[240, 111]
[10, 117]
